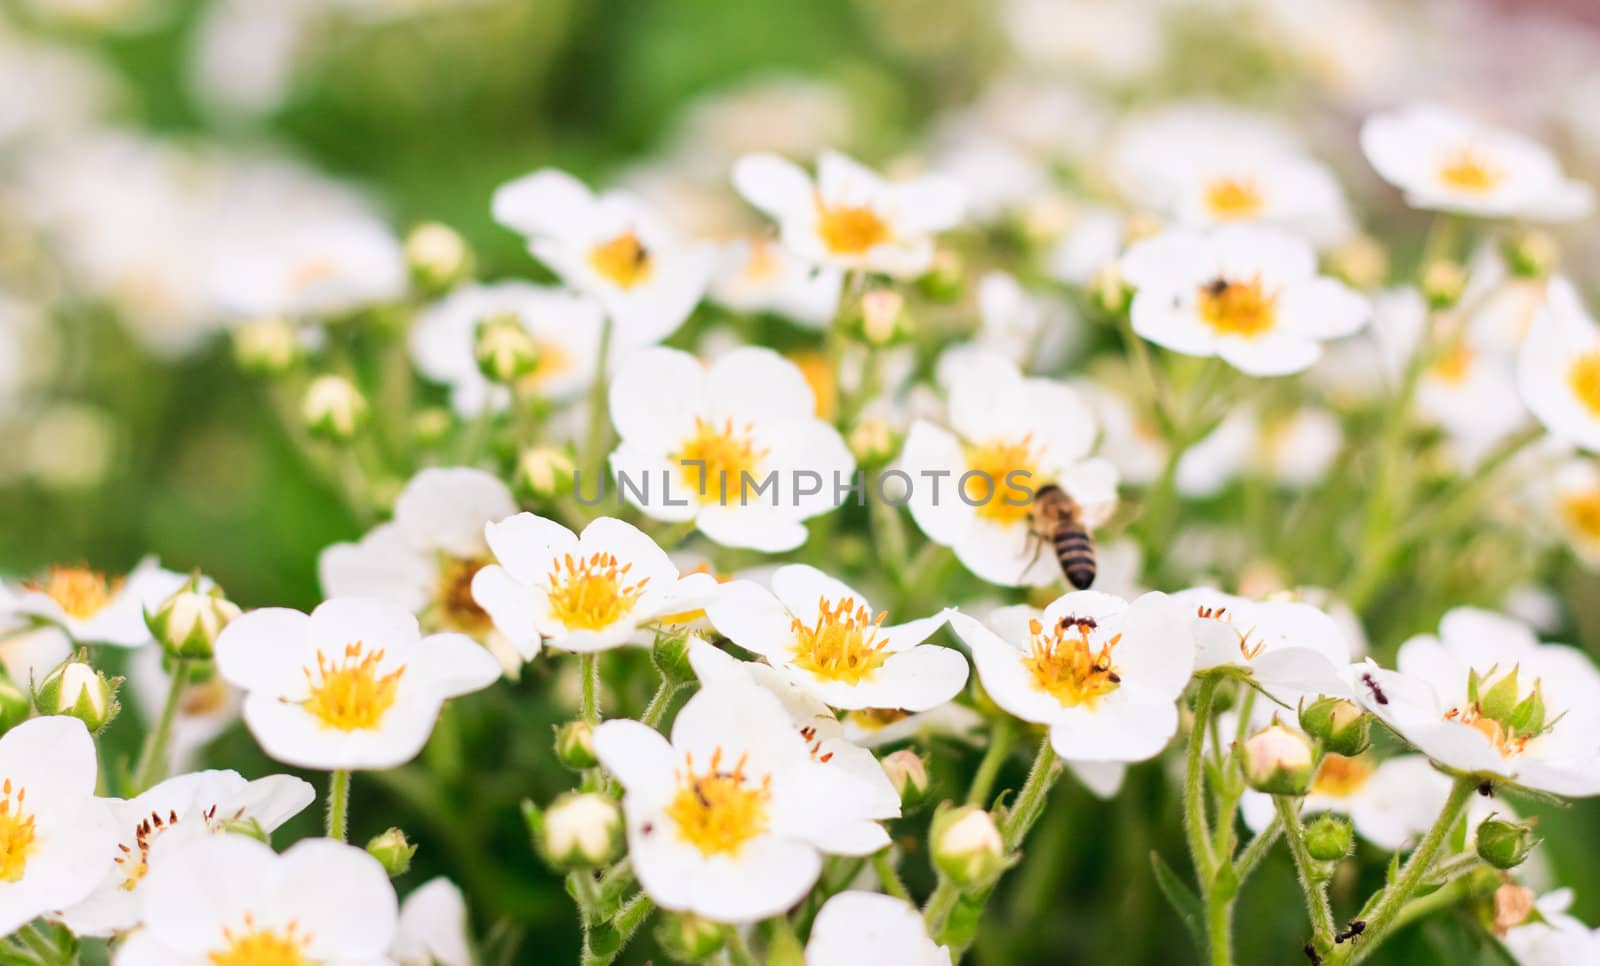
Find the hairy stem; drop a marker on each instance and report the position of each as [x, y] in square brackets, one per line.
[1312, 881]
[1000, 740]
[153, 759]
[339, 805]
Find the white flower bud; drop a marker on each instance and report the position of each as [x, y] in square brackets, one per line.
[544, 472]
[504, 349]
[582, 829]
[334, 407]
[186, 624]
[883, 316]
[77, 689]
[438, 256]
[967, 846]
[1277, 760]
[268, 347]
[908, 774]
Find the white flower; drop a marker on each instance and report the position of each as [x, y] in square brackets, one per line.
[1576, 497]
[850, 217]
[229, 899]
[579, 592]
[433, 927]
[1391, 804]
[1104, 674]
[1472, 394]
[56, 838]
[730, 819]
[1291, 649]
[94, 608]
[1033, 331]
[1108, 40]
[1446, 161]
[874, 727]
[353, 684]
[829, 740]
[610, 247]
[564, 325]
[1558, 369]
[28, 655]
[1558, 940]
[866, 929]
[972, 489]
[1484, 697]
[168, 817]
[1297, 448]
[1248, 293]
[425, 559]
[736, 447]
[759, 275]
[823, 636]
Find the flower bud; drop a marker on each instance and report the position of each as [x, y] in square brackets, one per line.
[76, 689]
[1533, 254]
[1277, 760]
[1342, 726]
[581, 830]
[873, 441]
[1110, 292]
[575, 745]
[544, 473]
[687, 938]
[438, 256]
[1504, 844]
[1443, 281]
[1329, 838]
[967, 846]
[393, 851]
[884, 319]
[431, 426]
[909, 775]
[186, 624]
[505, 350]
[1513, 906]
[670, 655]
[334, 408]
[14, 703]
[1361, 262]
[266, 347]
[942, 282]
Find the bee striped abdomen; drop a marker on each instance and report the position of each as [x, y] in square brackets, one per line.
[1075, 550]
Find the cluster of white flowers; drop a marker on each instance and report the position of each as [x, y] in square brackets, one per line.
[765, 386]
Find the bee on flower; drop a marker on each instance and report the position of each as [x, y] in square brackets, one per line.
[352, 685]
[850, 217]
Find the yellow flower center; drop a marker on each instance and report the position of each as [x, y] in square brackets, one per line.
[454, 607]
[718, 811]
[1584, 377]
[16, 832]
[990, 489]
[592, 593]
[263, 947]
[817, 369]
[1581, 511]
[1238, 308]
[873, 719]
[714, 461]
[1467, 170]
[763, 263]
[1066, 666]
[850, 230]
[1341, 777]
[1231, 198]
[842, 644]
[623, 260]
[81, 592]
[349, 694]
[135, 859]
[1455, 367]
[553, 361]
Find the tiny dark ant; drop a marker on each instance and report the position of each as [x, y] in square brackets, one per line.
[1311, 954]
[1081, 623]
[1216, 287]
[1486, 788]
[1356, 928]
[1377, 692]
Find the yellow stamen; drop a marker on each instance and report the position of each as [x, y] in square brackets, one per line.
[996, 498]
[1066, 666]
[1581, 511]
[1584, 378]
[1467, 170]
[842, 644]
[263, 947]
[818, 371]
[719, 811]
[1233, 198]
[349, 694]
[872, 719]
[714, 460]
[1455, 367]
[593, 592]
[81, 592]
[1341, 777]
[553, 361]
[1238, 308]
[624, 260]
[16, 832]
[850, 230]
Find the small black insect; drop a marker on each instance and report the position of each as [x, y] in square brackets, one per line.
[1081, 623]
[1486, 788]
[1311, 954]
[1216, 287]
[1377, 692]
[1354, 928]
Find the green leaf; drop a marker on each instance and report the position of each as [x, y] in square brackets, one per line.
[1183, 900]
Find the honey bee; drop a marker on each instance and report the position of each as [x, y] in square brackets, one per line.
[1058, 519]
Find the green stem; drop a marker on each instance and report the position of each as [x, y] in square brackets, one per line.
[738, 953]
[1219, 928]
[1000, 740]
[1394, 896]
[153, 760]
[586, 893]
[1195, 828]
[1031, 800]
[889, 877]
[339, 805]
[594, 438]
[1312, 881]
[1253, 853]
[1436, 901]
[606, 942]
[660, 702]
[589, 671]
